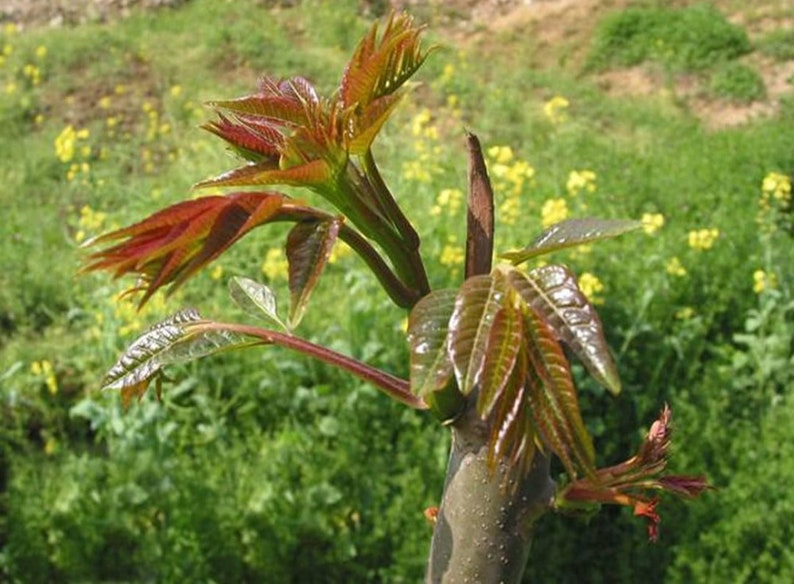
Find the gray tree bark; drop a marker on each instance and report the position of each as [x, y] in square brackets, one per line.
[484, 525]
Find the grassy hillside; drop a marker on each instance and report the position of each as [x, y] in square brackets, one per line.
[262, 466]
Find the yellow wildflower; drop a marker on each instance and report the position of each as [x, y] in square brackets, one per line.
[275, 266]
[416, 170]
[64, 144]
[420, 121]
[41, 52]
[90, 219]
[500, 154]
[591, 286]
[553, 211]
[11, 88]
[674, 267]
[448, 74]
[450, 199]
[777, 185]
[32, 73]
[452, 253]
[339, 251]
[652, 222]
[176, 90]
[685, 313]
[510, 210]
[763, 280]
[10, 29]
[581, 180]
[44, 370]
[50, 446]
[555, 108]
[8, 50]
[217, 272]
[703, 239]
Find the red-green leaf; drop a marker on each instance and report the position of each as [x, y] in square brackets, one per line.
[284, 102]
[309, 246]
[428, 328]
[571, 233]
[512, 436]
[253, 139]
[173, 244]
[381, 66]
[553, 293]
[553, 399]
[367, 125]
[173, 340]
[503, 347]
[311, 174]
[478, 301]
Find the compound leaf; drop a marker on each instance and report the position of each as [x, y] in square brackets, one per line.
[476, 305]
[176, 339]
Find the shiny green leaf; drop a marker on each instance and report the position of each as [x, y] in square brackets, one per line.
[177, 339]
[256, 299]
[428, 328]
[571, 233]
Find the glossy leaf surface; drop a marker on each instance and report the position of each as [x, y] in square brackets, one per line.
[309, 246]
[552, 398]
[256, 299]
[512, 435]
[428, 328]
[476, 305]
[552, 291]
[504, 345]
[173, 340]
[571, 233]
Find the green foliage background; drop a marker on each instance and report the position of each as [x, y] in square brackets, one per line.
[261, 466]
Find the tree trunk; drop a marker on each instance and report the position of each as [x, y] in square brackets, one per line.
[484, 526]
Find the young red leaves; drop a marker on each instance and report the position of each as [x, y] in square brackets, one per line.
[173, 244]
[629, 482]
[375, 75]
[289, 134]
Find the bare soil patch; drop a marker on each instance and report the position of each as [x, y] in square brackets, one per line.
[558, 30]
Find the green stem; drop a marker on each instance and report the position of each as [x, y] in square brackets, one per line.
[388, 204]
[405, 258]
